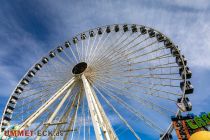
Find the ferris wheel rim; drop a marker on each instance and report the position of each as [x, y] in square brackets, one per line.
[32, 68]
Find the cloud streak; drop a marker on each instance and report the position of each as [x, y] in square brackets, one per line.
[30, 29]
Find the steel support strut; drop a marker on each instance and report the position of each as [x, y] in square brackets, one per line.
[101, 124]
[49, 121]
[37, 113]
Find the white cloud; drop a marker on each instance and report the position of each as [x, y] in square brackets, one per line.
[196, 4]
[186, 22]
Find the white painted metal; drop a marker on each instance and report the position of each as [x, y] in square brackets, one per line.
[93, 114]
[105, 122]
[57, 109]
[36, 114]
[99, 118]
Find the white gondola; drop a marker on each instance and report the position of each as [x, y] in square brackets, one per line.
[160, 37]
[99, 31]
[108, 30]
[52, 54]
[9, 110]
[151, 33]
[175, 51]
[116, 28]
[59, 49]
[45, 60]
[91, 33]
[31, 73]
[6, 121]
[67, 44]
[19, 90]
[189, 87]
[168, 43]
[24, 82]
[182, 72]
[143, 30]
[179, 61]
[83, 36]
[185, 104]
[125, 28]
[38, 66]
[75, 40]
[13, 100]
[134, 28]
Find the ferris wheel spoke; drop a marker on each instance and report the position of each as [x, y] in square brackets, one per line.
[89, 122]
[118, 114]
[147, 53]
[145, 102]
[79, 125]
[102, 48]
[121, 72]
[82, 48]
[124, 69]
[142, 101]
[49, 72]
[141, 48]
[165, 78]
[96, 46]
[42, 121]
[114, 45]
[84, 120]
[59, 63]
[114, 41]
[124, 48]
[34, 82]
[91, 47]
[124, 90]
[37, 92]
[133, 75]
[153, 75]
[148, 60]
[69, 58]
[138, 114]
[86, 51]
[74, 55]
[140, 85]
[137, 82]
[121, 63]
[43, 81]
[53, 115]
[155, 58]
[73, 120]
[30, 108]
[62, 60]
[124, 53]
[37, 113]
[161, 66]
[55, 77]
[46, 95]
[53, 84]
[78, 52]
[144, 83]
[67, 113]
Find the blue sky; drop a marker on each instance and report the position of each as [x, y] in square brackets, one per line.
[28, 29]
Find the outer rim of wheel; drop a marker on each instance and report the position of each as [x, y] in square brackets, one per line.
[170, 128]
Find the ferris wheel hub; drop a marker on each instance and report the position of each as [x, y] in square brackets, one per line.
[79, 68]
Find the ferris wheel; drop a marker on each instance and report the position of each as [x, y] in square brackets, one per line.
[112, 82]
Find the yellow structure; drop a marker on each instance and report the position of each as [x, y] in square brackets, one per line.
[201, 135]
